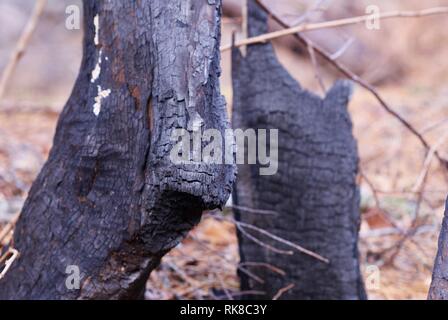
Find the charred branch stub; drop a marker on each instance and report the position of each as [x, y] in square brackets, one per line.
[439, 285]
[109, 200]
[314, 192]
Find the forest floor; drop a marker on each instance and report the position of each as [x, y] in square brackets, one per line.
[403, 191]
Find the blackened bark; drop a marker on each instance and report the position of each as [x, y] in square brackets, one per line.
[314, 191]
[109, 200]
[439, 285]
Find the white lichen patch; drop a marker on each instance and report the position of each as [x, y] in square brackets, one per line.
[97, 70]
[102, 94]
[96, 23]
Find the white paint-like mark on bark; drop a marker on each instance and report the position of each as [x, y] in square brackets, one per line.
[97, 70]
[96, 22]
[101, 95]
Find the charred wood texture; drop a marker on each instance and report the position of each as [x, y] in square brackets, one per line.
[439, 285]
[314, 191]
[109, 200]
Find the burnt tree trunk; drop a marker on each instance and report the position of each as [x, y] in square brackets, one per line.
[314, 191]
[109, 200]
[439, 285]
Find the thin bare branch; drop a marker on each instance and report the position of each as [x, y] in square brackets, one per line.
[286, 242]
[434, 126]
[244, 25]
[8, 258]
[227, 261]
[351, 75]
[252, 210]
[316, 7]
[316, 69]
[342, 49]
[282, 291]
[336, 23]
[371, 186]
[427, 163]
[250, 274]
[8, 228]
[223, 286]
[264, 265]
[248, 293]
[261, 243]
[241, 226]
[21, 45]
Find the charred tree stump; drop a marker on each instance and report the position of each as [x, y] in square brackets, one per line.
[314, 191]
[109, 200]
[439, 285]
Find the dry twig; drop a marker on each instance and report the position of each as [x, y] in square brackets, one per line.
[264, 265]
[427, 163]
[351, 75]
[21, 45]
[245, 25]
[433, 126]
[261, 243]
[282, 291]
[336, 23]
[286, 242]
[8, 258]
[316, 69]
[227, 261]
[241, 226]
[251, 210]
[8, 228]
[372, 188]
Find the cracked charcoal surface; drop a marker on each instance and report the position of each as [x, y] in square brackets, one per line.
[314, 191]
[108, 199]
